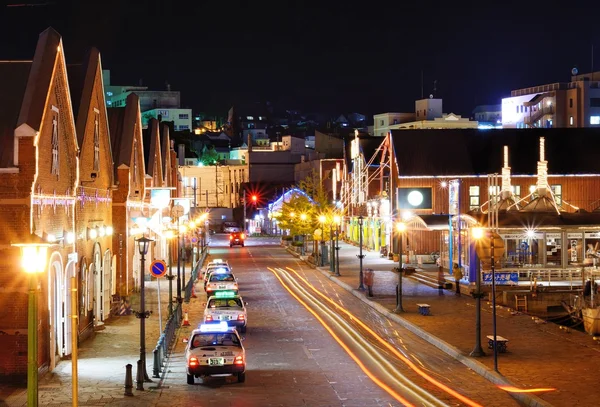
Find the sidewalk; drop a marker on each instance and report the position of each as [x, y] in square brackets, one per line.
[540, 354]
[102, 360]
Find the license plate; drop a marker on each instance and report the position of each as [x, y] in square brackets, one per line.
[216, 361]
[222, 287]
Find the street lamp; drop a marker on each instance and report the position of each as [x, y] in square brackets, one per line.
[360, 256]
[400, 227]
[169, 235]
[142, 376]
[337, 220]
[303, 219]
[33, 260]
[477, 234]
[182, 230]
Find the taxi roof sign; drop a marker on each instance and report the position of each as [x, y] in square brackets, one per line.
[225, 294]
[220, 327]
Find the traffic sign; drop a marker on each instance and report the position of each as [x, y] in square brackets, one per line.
[483, 247]
[158, 268]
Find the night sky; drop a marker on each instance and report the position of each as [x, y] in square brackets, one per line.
[325, 56]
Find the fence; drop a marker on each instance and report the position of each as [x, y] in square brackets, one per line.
[161, 351]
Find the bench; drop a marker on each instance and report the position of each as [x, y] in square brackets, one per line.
[500, 341]
[423, 309]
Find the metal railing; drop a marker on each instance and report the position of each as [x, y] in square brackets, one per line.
[195, 270]
[538, 114]
[163, 346]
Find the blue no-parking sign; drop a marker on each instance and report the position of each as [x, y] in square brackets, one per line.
[158, 268]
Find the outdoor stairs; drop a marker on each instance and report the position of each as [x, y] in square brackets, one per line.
[429, 278]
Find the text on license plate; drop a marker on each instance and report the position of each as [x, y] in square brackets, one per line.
[222, 286]
[216, 361]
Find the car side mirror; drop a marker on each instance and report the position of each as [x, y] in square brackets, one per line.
[204, 304]
[185, 340]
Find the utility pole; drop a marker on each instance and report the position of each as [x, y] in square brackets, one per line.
[244, 202]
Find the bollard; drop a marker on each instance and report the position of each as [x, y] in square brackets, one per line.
[128, 381]
[140, 376]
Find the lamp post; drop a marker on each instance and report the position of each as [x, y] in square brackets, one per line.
[477, 233]
[360, 256]
[33, 260]
[142, 314]
[337, 220]
[169, 236]
[400, 227]
[332, 256]
[182, 256]
[304, 246]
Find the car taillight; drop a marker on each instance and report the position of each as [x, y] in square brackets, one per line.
[239, 360]
[209, 318]
[242, 236]
[241, 317]
[209, 288]
[230, 237]
[193, 361]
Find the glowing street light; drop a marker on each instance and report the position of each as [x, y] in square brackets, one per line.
[34, 256]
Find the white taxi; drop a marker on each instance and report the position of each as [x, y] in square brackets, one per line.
[221, 282]
[229, 307]
[221, 268]
[215, 349]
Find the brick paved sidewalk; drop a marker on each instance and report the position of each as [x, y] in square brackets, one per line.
[540, 354]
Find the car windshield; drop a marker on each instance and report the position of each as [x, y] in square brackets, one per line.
[214, 339]
[224, 302]
[221, 277]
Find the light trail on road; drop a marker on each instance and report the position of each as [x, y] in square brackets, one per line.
[409, 363]
[354, 343]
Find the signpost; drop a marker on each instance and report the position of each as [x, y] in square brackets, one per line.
[158, 268]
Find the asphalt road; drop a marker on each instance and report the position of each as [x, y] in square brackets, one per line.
[293, 359]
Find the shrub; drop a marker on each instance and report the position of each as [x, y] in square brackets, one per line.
[298, 244]
[287, 237]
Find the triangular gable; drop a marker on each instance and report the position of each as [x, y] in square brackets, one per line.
[46, 111]
[92, 124]
[153, 153]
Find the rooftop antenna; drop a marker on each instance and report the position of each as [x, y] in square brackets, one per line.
[434, 86]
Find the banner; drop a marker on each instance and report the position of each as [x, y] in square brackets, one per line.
[453, 197]
[501, 278]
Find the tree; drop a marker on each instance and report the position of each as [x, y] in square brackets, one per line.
[209, 156]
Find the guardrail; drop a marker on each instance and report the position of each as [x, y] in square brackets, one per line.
[194, 276]
[161, 351]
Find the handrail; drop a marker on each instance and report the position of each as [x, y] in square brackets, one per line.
[538, 114]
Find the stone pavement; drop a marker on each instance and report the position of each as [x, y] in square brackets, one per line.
[540, 354]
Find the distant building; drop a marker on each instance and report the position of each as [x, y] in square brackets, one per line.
[488, 116]
[116, 95]
[428, 115]
[571, 104]
[249, 119]
[181, 118]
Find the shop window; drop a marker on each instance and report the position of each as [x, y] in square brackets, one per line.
[557, 192]
[592, 249]
[523, 251]
[533, 192]
[554, 249]
[473, 197]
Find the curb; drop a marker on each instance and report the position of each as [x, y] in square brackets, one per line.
[477, 367]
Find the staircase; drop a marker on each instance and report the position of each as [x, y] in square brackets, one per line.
[538, 114]
[429, 278]
[521, 303]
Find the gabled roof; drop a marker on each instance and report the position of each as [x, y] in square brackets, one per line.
[122, 122]
[13, 80]
[477, 152]
[40, 77]
[151, 137]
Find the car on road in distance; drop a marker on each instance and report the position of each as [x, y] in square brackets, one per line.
[237, 238]
[229, 307]
[215, 349]
[221, 282]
